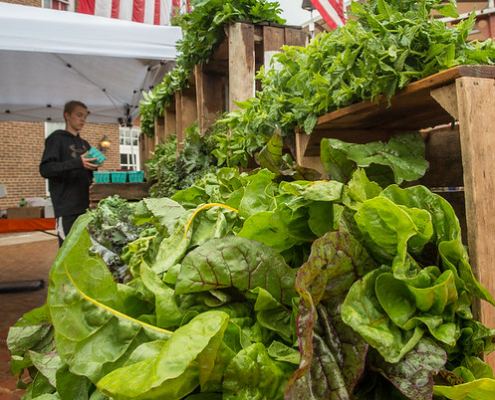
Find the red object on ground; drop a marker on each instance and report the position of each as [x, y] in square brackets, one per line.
[27, 225]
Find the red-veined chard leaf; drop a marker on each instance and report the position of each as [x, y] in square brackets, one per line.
[336, 261]
[177, 369]
[93, 333]
[236, 262]
[413, 376]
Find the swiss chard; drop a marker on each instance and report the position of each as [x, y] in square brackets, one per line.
[304, 289]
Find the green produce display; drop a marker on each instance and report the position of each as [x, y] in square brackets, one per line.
[384, 46]
[269, 286]
[203, 31]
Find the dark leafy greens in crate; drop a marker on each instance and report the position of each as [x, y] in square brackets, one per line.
[250, 287]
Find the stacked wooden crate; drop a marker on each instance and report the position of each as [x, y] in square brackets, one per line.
[228, 77]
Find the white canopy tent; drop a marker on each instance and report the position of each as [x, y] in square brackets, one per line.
[48, 57]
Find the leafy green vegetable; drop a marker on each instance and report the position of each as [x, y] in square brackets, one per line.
[111, 229]
[304, 289]
[384, 46]
[401, 159]
[203, 31]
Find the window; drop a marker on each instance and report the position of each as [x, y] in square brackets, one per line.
[129, 148]
[64, 5]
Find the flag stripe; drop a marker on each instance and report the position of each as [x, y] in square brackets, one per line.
[87, 7]
[103, 8]
[157, 13]
[149, 12]
[115, 8]
[138, 11]
[328, 10]
[125, 9]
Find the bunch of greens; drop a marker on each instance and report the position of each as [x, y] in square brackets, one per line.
[170, 170]
[256, 287]
[203, 31]
[111, 229]
[384, 46]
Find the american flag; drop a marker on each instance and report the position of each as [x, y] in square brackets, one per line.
[155, 12]
[332, 12]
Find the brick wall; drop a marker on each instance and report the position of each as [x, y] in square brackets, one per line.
[21, 149]
[32, 3]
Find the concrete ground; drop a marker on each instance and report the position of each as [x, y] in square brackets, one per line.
[24, 256]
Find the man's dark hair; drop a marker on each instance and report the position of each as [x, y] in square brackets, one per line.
[70, 105]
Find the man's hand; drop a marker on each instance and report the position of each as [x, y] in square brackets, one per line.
[88, 162]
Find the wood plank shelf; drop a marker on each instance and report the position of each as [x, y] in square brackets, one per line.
[411, 109]
[461, 156]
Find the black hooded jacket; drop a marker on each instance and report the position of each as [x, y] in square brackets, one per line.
[68, 181]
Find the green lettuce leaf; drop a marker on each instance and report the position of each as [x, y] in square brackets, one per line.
[480, 389]
[362, 311]
[399, 160]
[252, 374]
[176, 370]
[93, 333]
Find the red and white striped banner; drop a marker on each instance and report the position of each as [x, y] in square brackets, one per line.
[332, 12]
[155, 12]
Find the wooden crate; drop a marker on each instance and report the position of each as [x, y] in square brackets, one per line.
[228, 77]
[133, 191]
[461, 157]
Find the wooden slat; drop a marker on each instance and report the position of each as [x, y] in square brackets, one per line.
[170, 120]
[210, 95]
[273, 38]
[128, 191]
[443, 153]
[241, 63]
[159, 130]
[412, 108]
[476, 99]
[446, 96]
[186, 112]
[296, 37]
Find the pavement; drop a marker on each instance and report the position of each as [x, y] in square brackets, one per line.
[25, 256]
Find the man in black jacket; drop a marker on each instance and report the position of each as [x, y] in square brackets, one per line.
[68, 172]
